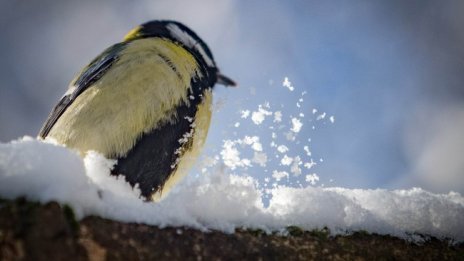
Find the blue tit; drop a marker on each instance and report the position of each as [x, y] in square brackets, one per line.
[145, 102]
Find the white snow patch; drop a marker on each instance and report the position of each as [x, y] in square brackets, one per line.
[321, 116]
[253, 141]
[295, 168]
[278, 175]
[248, 140]
[286, 160]
[260, 158]
[277, 116]
[231, 156]
[282, 148]
[185, 138]
[244, 114]
[258, 116]
[308, 152]
[288, 84]
[332, 119]
[257, 146]
[296, 125]
[310, 164]
[312, 178]
[217, 200]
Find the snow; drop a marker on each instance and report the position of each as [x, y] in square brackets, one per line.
[245, 114]
[296, 125]
[258, 116]
[260, 158]
[295, 168]
[312, 178]
[321, 116]
[277, 116]
[282, 148]
[286, 160]
[288, 84]
[253, 141]
[310, 164]
[278, 175]
[257, 147]
[219, 200]
[306, 149]
[286, 130]
[231, 155]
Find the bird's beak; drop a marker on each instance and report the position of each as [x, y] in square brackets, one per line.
[224, 80]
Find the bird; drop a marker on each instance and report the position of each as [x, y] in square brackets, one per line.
[145, 102]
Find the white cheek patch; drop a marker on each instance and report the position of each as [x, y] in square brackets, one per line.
[188, 40]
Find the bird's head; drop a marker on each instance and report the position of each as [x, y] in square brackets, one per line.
[181, 34]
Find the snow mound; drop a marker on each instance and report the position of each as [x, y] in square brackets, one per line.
[217, 200]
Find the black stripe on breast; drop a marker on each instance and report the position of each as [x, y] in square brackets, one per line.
[153, 159]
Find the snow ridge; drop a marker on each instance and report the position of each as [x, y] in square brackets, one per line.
[218, 200]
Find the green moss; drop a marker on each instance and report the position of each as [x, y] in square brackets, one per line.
[321, 234]
[256, 232]
[295, 231]
[361, 234]
[70, 217]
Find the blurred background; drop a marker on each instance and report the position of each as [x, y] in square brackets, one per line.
[391, 73]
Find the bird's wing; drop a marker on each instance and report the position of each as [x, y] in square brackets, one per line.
[89, 75]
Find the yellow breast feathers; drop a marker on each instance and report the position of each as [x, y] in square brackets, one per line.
[140, 92]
